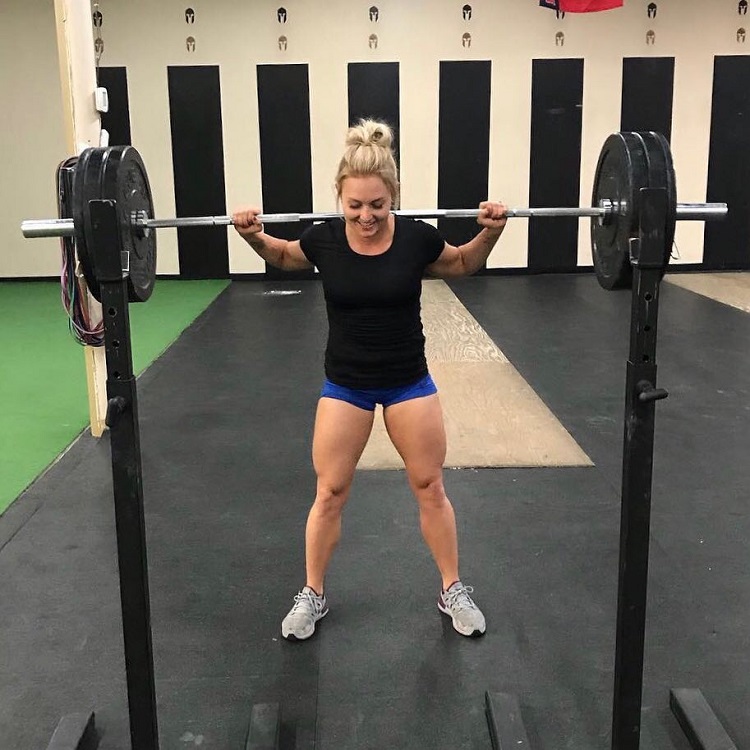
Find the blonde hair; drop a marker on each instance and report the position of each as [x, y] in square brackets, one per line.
[369, 151]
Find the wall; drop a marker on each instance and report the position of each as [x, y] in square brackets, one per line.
[146, 37]
[32, 136]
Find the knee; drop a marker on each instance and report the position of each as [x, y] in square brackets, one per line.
[330, 499]
[429, 490]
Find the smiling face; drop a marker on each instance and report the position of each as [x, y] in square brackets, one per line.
[366, 203]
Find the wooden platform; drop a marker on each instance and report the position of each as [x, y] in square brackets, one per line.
[731, 288]
[492, 416]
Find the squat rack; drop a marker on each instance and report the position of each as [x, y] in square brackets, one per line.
[633, 217]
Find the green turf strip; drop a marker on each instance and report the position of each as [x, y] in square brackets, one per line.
[43, 375]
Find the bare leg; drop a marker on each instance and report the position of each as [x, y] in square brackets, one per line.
[341, 433]
[417, 431]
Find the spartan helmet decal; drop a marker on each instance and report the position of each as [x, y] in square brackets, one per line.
[742, 8]
[560, 13]
[374, 13]
[467, 12]
[189, 15]
[741, 35]
[466, 40]
[281, 15]
[373, 41]
[559, 39]
[190, 44]
[98, 19]
[650, 37]
[282, 43]
[98, 48]
[652, 10]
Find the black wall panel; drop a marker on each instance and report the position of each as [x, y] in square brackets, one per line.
[285, 153]
[117, 120]
[647, 93]
[373, 90]
[198, 166]
[556, 114]
[463, 143]
[727, 243]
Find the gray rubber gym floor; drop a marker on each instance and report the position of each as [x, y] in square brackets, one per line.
[226, 417]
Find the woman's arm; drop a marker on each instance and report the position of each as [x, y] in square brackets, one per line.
[470, 257]
[284, 254]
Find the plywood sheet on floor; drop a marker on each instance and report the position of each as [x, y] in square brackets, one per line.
[730, 288]
[492, 416]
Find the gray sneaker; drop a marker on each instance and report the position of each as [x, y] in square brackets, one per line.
[308, 608]
[459, 606]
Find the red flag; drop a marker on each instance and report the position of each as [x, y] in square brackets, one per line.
[588, 6]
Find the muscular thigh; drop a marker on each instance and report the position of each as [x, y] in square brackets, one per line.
[340, 436]
[418, 434]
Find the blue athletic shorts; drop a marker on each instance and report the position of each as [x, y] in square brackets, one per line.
[367, 399]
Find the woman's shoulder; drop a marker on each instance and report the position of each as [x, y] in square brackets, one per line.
[416, 227]
[418, 224]
[330, 230]
[418, 234]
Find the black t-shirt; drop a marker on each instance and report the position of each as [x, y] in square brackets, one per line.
[375, 337]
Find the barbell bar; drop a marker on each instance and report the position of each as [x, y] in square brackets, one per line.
[629, 164]
[34, 228]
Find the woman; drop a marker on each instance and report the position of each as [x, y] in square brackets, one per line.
[371, 265]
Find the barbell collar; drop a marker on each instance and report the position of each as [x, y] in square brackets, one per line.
[685, 212]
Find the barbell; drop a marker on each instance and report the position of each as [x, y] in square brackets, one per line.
[66, 227]
[628, 163]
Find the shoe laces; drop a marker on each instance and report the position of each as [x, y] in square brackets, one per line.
[458, 597]
[305, 600]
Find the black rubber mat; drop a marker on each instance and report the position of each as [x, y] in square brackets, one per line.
[226, 416]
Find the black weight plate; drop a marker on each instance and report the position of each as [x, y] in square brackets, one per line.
[661, 175]
[124, 180]
[620, 173]
[86, 188]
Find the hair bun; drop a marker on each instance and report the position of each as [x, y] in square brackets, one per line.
[370, 133]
